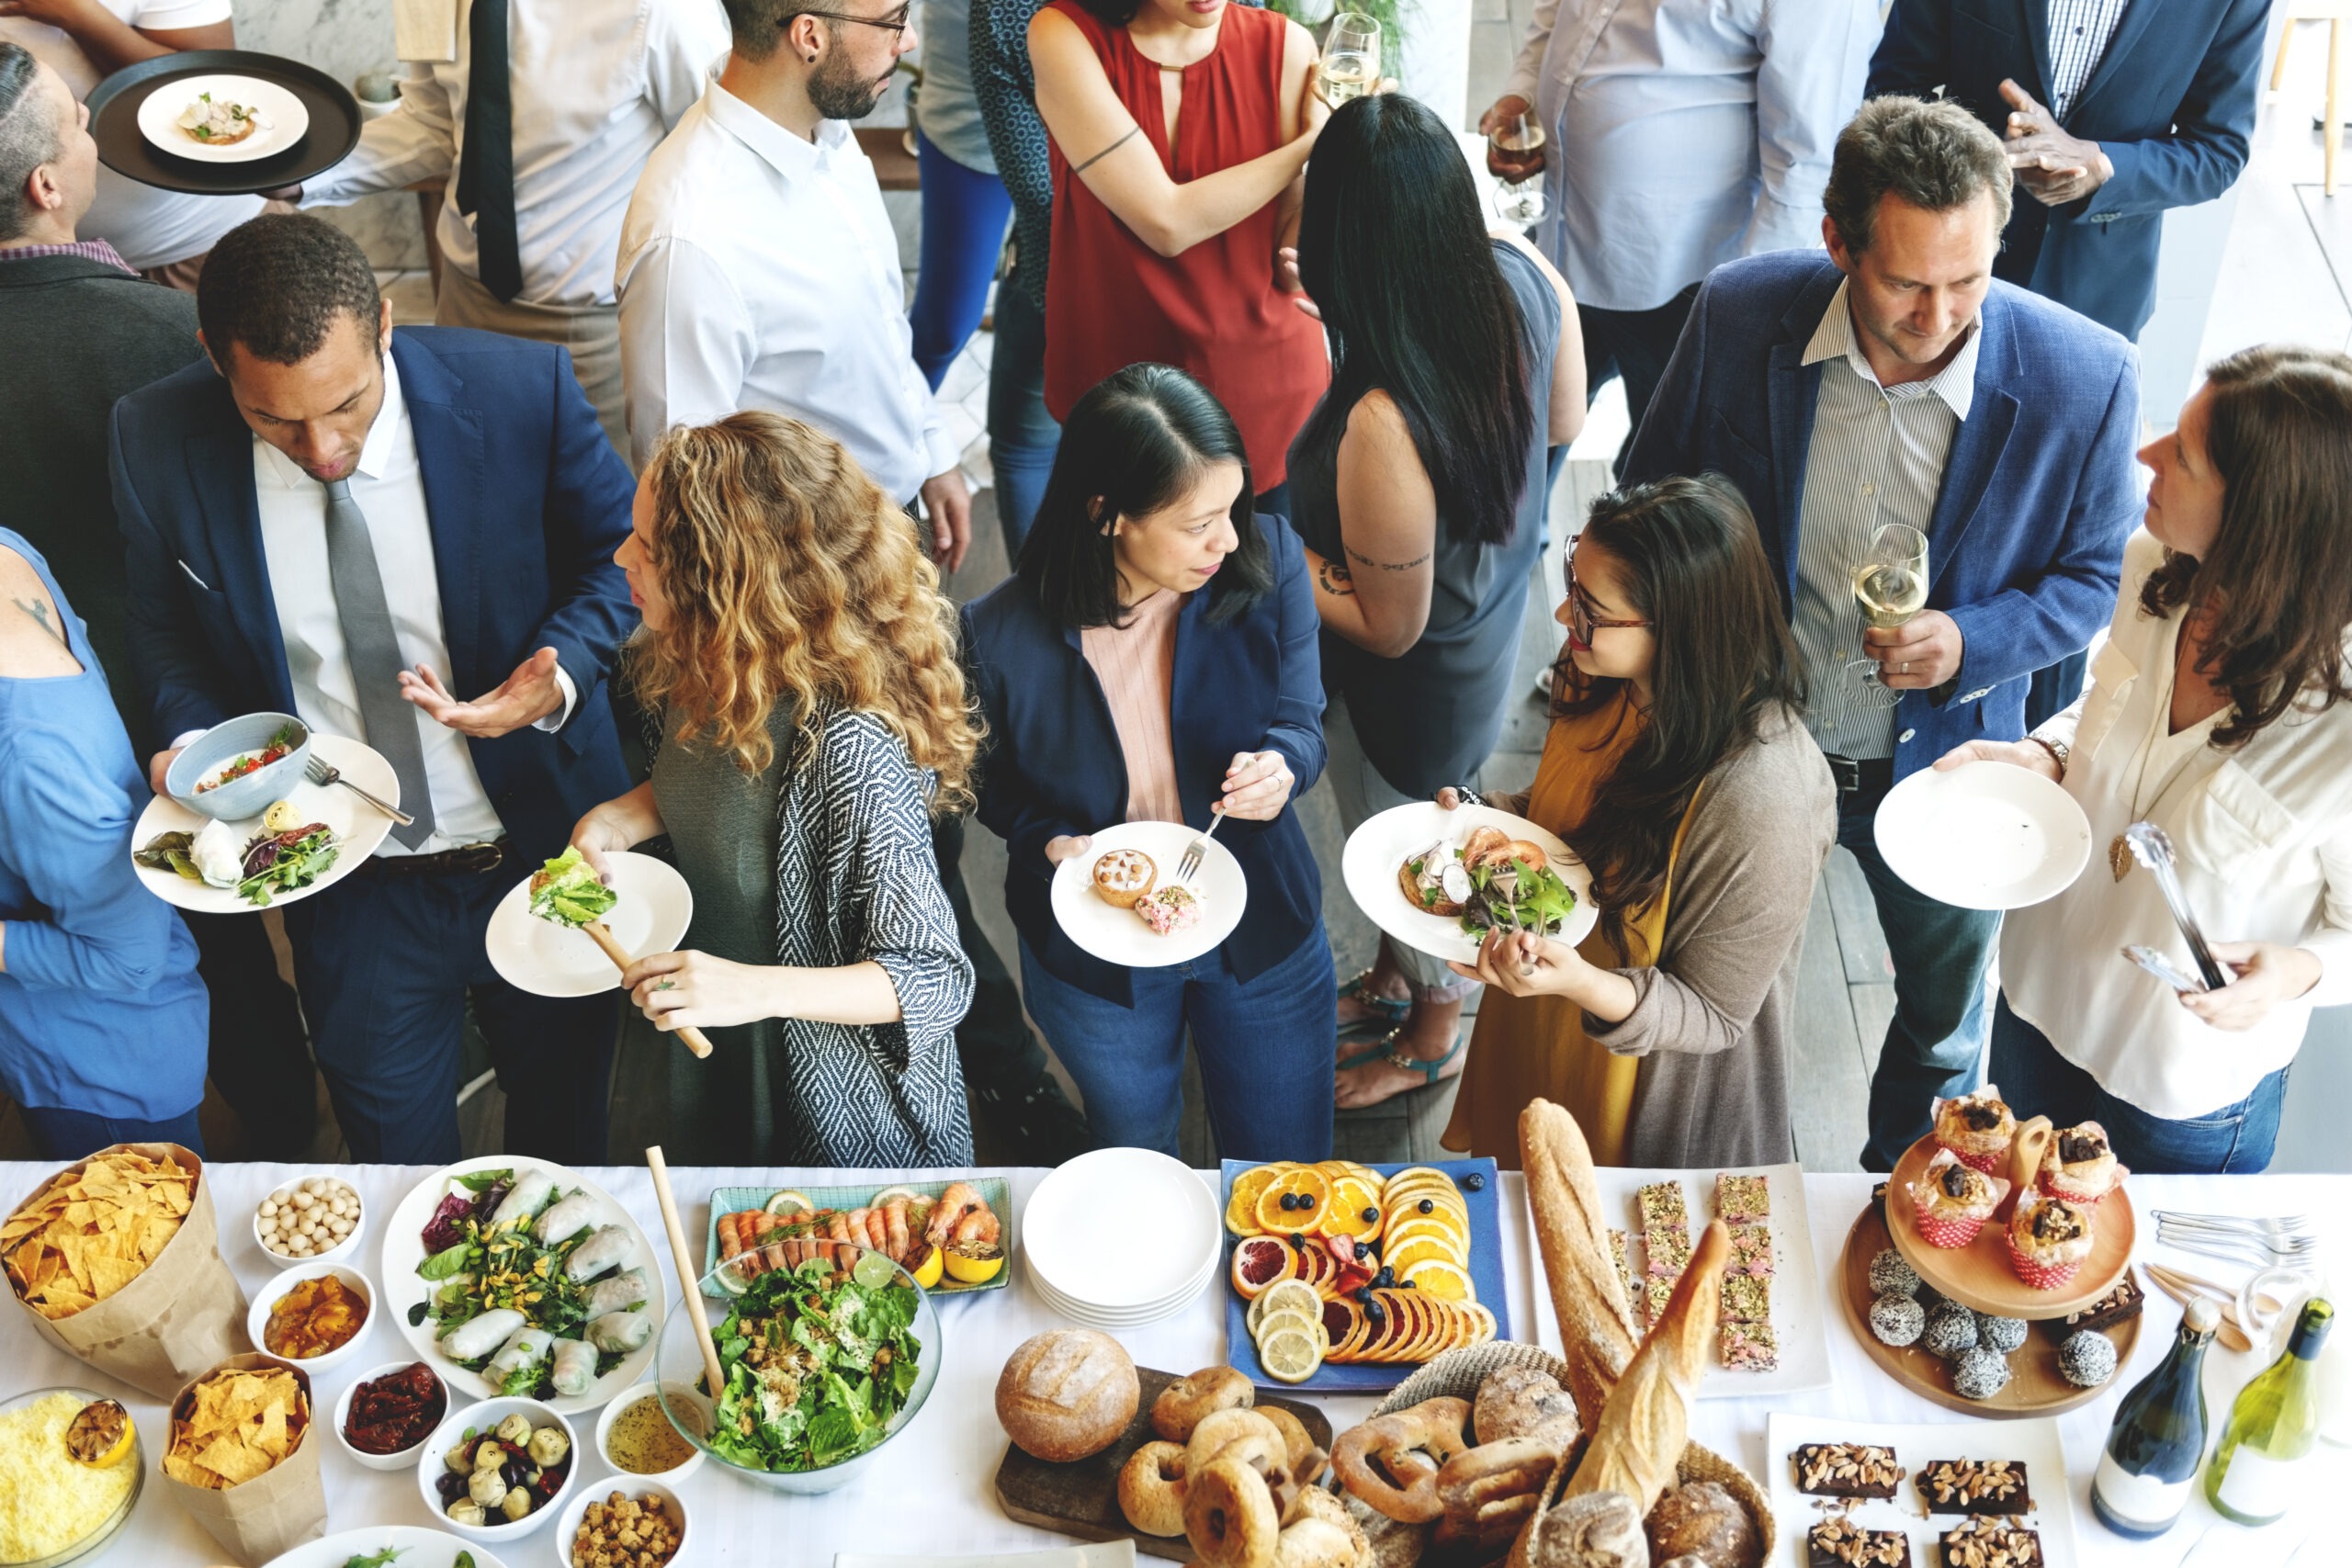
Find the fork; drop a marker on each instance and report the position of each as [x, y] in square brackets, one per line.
[2279, 1225]
[1190, 865]
[321, 772]
[2242, 1250]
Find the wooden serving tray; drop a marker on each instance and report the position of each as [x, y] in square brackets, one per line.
[1979, 1275]
[1082, 1499]
[2035, 1387]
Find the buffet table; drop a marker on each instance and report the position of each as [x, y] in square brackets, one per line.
[933, 1493]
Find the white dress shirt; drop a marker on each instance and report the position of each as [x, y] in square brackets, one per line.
[760, 271]
[147, 227]
[2264, 839]
[1686, 133]
[594, 85]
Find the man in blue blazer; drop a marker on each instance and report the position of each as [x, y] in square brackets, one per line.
[330, 519]
[1894, 381]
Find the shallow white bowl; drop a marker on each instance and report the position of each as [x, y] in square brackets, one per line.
[685, 1392]
[628, 1486]
[483, 1418]
[407, 1456]
[258, 1316]
[334, 1253]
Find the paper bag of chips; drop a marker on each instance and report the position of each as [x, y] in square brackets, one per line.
[117, 1260]
[240, 1457]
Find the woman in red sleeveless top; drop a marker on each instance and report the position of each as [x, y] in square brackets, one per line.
[1185, 124]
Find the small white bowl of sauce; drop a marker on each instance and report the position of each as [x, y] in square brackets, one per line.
[638, 1437]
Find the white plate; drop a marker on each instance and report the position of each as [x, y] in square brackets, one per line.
[550, 959]
[1126, 1317]
[1983, 835]
[404, 1249]
[1115, 936]
[360, 827]
[159, 111]
[1377, 848]
[1167, 1222]
[2035, 1443]
[419, 1549]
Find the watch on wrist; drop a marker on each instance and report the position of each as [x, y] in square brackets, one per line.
[2060, 752]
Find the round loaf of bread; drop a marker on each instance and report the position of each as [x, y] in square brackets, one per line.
[1704, 1522]
[1066, 1393]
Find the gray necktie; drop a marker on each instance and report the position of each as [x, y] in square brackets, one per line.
[368, 640]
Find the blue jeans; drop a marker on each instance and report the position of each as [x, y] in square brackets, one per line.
[1937, 1038]
[69, 1135]
[2235, 1140]
[1022, 437]
[964, 215]
[1265, 1045]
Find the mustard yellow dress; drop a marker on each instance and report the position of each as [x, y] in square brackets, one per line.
[1526, 1048]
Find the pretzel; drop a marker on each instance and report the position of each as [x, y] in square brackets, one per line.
[1392, 1462]
[1489, 1492]
[1229, 1516]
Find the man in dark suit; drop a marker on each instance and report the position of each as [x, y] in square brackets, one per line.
[1895, 381]
[337, 521]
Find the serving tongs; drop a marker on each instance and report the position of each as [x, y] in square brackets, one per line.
[2152, 847]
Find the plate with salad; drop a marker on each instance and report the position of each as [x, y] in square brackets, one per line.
[536, 942]
[304, 842]
[387, 1546]
[515, 1278]
[1439, 881]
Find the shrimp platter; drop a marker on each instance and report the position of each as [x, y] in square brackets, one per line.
[949, 1235]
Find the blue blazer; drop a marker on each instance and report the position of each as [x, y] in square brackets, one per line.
[2025, 547]
[1054, 766]
[2171, 103]
[526, 502]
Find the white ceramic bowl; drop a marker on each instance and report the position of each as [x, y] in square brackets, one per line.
[681, 1392]
[334, 1253]
[484, 1418]
[628, 1486]
[407, 1456]
[258, 1316]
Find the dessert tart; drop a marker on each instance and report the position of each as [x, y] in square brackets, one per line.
[2049, 1239]
[1123, 876]
[2079, 1164]
[1977, 1127]
[1954, 1200]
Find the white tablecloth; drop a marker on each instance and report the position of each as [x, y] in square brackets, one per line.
[934, 1495]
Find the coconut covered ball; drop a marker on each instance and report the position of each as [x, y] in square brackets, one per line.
[1891, 1275]
[1897, 1319]
[1951, 1330]
[1980, 1373]
[2087, 1359]
[2002, 1334]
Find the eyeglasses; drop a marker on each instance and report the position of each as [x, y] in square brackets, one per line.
[895, 24]
[1581, 620]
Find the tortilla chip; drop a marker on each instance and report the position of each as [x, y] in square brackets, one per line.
[86, 1236]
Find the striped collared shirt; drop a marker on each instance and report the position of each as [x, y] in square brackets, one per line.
[2079, 32]
[1876, 456]
[96, 251]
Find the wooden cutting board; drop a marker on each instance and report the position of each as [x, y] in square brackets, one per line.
[1081, 1500]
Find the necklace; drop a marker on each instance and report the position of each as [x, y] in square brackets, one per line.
[2120, 858]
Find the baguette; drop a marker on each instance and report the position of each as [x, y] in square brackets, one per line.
[1646, 1421]
[1596, 1322]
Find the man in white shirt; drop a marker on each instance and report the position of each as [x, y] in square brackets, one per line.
[337, 521]
[1689, 133]
[163, 234]
[584, 91]
[758, 268]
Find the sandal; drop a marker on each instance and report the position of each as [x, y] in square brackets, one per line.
[1386, 1050]
[1393, 1008]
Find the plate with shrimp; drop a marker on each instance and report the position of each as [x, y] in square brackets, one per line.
[953, 1236]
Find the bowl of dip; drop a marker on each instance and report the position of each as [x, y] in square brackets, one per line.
[80, 1506]
[384, 1416]
[312, 1314]
[638, 1438]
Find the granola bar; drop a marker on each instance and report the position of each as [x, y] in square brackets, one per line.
[1742, 1200]
[1666, 1251]
[1842, 1544]
[1746, 1299]
[1975, 1486]
[1749, 1347]
[1661, 1204]
[1990, 1543]
[1751, 1250]
[1847, 1469]
[1617, 1240]
[1658, 1291]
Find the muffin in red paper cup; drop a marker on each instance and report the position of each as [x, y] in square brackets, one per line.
[2049, 1237]
[1977, 1127]
[2079, 1164]
[1952, 1201]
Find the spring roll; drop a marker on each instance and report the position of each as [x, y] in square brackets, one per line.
[478, 1336]
[620, 1331]
[608, 1247]
[619, 1293]
[568, 1218]
[524, 1350]
[575, 1367]
[532, 1188]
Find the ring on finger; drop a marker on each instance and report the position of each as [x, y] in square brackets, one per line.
[666, 985]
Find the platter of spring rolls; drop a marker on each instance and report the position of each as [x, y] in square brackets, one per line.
[520, 1279]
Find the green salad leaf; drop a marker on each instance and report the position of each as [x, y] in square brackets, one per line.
[817, 1366]
[566, 890]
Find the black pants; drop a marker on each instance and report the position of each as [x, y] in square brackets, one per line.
[1634, 345]
[993, 1042]
[259, 1059]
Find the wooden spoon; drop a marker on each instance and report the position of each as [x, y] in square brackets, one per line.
[689, 1278]
[2231, 1333]
[602, 934]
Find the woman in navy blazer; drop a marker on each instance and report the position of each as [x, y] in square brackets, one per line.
[1147, 579]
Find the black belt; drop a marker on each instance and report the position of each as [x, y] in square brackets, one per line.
[473, 859]
[1854, 774]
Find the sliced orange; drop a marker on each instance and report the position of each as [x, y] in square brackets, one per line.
[1404, 1318]
[1257, 1267]
[1343, 1345]
[1429, 1225]
[1442, 1278]
[1241, 1207]
[1352, 1199]
[1309, 1192]
[1403, 1256]
[1484, 1329]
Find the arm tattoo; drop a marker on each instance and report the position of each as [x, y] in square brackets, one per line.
[1354, 554]
[1422, 559]
[1334, 579]
[39, 612]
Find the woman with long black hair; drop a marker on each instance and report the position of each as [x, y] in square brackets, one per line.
[1678, 768]
[1418, 485]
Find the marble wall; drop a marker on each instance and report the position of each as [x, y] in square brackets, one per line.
[342, 38]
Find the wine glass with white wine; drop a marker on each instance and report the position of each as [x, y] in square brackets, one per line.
[1517, 142]
[1890, 586]
[1351, 57]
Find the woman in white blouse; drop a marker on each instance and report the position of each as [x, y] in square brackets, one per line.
[2217, 711]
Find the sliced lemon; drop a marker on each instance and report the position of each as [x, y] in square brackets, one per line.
[1438, 1276]
[1277, 1321]
[933, 1263]
[888, 1193]
[973, 1264]
[789, 1202]
[1294, 1296]
[1291, 1356]
[100, 1433]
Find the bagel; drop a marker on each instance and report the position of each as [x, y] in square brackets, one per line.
[1229, 1516]
[1313, 1503]
[1182, 1404]
[1315, 1543]
[1223, 1426]
[1489, 1492]
[1151, 1489]
[1296, 1438]
[1392, 1462]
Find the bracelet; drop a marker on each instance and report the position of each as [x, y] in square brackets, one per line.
[2059, 752]
[1469, 796]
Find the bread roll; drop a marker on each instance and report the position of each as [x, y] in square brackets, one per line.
[1066, 1393]
[1572, 1233]
[1704, 1523]
[1647, 1420]
[1600, 1530]
[1523, 1402]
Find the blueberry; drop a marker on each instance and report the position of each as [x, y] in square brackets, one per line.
[1363, 1293]
[1364, 1251]
[1307, 1201]
[1386, 1276]
[1374, 1313]
[1288, 1203]
[1427, 1205]
[1407, 1285]
[1474, 1183]
[1370, 1216]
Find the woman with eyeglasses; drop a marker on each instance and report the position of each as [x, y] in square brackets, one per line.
[1678, 768]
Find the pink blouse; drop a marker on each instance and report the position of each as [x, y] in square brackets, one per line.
[1136, 664]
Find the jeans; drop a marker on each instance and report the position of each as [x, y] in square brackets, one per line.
[964, 215]
[1265, 1045]
[1022, 437]
[1936, 1038]
[1634, 345]
[2235, 1140]
[69, 1135]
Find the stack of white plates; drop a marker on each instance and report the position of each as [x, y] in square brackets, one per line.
[1122, 1238]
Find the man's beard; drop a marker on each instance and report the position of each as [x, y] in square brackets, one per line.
[838, 92]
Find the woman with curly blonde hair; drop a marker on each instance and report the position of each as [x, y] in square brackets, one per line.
[802, 662]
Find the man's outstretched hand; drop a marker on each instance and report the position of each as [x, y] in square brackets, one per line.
[524, 698]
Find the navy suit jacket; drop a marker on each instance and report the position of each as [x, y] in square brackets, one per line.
[2025, 547]
[1054, 766]
[526, 502]
[2171, 103]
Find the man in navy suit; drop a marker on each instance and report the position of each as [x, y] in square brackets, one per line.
[1895, 381]
[337, 521]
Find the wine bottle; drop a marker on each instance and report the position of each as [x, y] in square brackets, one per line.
[2150, 1461]
[2273, 1424]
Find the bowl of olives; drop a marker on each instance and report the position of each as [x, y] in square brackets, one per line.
[498, 1470]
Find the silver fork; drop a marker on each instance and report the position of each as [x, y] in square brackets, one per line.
[1190, 865]
[2238, 1247]
[319, 771]
[2268, 1225]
